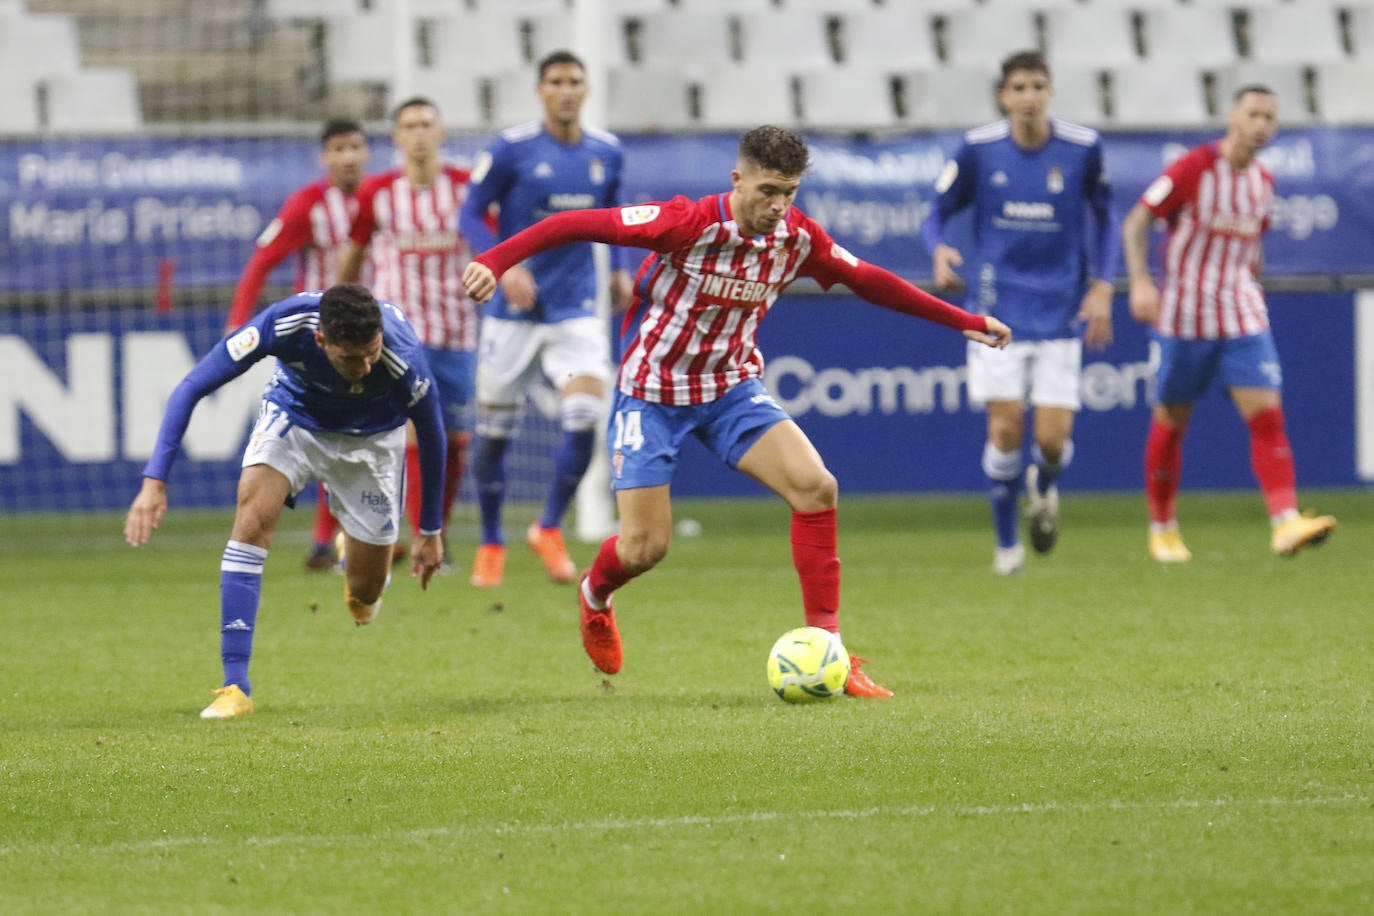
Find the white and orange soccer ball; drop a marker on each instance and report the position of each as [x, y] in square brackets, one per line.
[807, 664]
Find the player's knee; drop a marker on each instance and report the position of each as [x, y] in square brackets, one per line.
[818, 491]
[497, 421]
[639, 553]
[580, 412]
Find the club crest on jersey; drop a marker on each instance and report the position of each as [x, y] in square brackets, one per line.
[618, 463]
[1054, 181]
[639, 215]
[596, 172]
[243, 343]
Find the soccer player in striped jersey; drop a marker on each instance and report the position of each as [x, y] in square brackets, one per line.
[543, 318]
[1211, 322]
[350, 373]
[313, 225]
[691, 366]
[409, 216]
[1032, 182]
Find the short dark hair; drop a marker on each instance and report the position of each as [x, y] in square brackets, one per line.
[349, 314]
[1252, 87]
[337, 127]
[559, 57]
[413, 102]
[1033, 61]
[775, 148]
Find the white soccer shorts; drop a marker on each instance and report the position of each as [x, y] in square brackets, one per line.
[1046, 372]
[513, 353]
[364, 474]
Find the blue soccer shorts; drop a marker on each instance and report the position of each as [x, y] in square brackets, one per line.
[455, 371]
[1184, 369]
[644, 438]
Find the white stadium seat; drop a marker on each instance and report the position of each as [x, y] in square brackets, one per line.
[795, 40]
[1144, 95]
[897, 37]
[1189, 36]
[1361, 26]
[985, 35]
[699, 40]
[740, 98]
[1092, 36]
[1078, 95]
[94, 99]
[1295, 34]
[39, 45]
[950, 97]
[649, 98]
[1344, 92]
[19, 107]
[849, 99]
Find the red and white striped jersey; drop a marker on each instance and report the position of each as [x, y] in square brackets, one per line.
[699, 304]
[1216, 217]
[700, 297]
[313, 223]
[418, 255]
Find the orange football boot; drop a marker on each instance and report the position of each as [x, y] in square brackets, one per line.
[600, 635]
[548, 546]
[860, 684]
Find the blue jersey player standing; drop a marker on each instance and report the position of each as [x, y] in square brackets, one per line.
[1031, 182]
[543, 318]
[350, 374]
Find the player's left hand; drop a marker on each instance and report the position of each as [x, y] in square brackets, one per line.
[997, 335]
[426, 556]
[1096, 312]
[479, 281]
[146, 513]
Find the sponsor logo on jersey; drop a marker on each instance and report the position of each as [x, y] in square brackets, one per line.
[1158, 191]
[838, 251]
[639, 215]
[269, 233]
[243, 343]
[571, 201]
[596, 172]
[427, 240]
[1054, 181]
[947, 176]
[733, 289]
[479, 171]
[999, 179]
[1243, 225]
[1027, 209]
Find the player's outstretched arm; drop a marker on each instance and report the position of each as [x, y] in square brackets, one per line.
[997, 334]
[146, 513]
[426, 556]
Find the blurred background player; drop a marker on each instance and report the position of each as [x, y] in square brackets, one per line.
[409, 216]
[349, 375]
[543, 316]
[1031, 181]
[1212, 324]
[721, 262]
[313, 224]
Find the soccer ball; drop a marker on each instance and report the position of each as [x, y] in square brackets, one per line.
[806, 664]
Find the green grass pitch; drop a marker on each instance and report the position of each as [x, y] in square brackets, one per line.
[1097, 735]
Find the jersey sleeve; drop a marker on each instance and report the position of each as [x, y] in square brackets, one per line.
[1097, 193]
[830, 263]
[657, 226]
[953, 192]
[289, 231]
[490, 182]
[621, 258]
[425, 412]
[1168, 193]
[365, 223]
[227, 360]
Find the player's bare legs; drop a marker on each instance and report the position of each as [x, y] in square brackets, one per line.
[786, 462]
[1002, 465]
[1271, 458]
[366, 575]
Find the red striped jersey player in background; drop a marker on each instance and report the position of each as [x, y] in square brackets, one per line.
[691, 366]
[1211, 322]
[313, 225]
[409, 216]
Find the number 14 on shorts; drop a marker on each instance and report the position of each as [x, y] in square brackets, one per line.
[629, 431]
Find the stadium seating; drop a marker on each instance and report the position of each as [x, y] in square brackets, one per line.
[982, 36]
[1143, 95]
[19, 107]
[1294, 34]
[1289, 82]
[855, 98]
[898, 38]
[1078, 95]
[93, 99]
[1344, 91]
[39, 45]
[1091, 36]
[738, 98]
[649, 99]
[1188, 36]
[1360, 24]
[796, 39]
[949, 97]
[686, 39]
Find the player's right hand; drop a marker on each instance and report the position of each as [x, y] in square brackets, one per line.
[146, 513]
[426, 556]
[479, 281]
[998, 335]
[945, 259]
